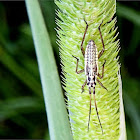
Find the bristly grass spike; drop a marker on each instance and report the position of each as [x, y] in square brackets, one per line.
[91, 68]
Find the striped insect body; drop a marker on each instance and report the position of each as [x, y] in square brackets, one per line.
[91, 56]
[91, 63]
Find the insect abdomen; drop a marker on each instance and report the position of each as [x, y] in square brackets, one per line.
[91, 62]
[91, 58]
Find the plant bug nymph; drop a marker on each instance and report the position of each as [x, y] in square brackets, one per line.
[91, 68]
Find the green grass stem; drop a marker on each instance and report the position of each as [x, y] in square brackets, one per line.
[54, 101]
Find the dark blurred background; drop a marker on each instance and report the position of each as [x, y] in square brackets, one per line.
[22, 110]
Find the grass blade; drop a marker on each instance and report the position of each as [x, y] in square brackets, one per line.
[55, 106]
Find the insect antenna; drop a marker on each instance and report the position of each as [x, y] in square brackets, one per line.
[97, 109]
[89, 108]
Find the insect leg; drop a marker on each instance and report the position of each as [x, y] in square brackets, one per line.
[97, 109]
[80, 71]
[101, 76]
[84, 86]
[82, 49]
[102, 51]
[89, 108]
[101, 84]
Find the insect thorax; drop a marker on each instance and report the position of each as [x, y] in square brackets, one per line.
[91, 63]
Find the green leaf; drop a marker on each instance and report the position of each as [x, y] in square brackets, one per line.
[130, 14]
[54, 101]
[20, 72]
[14, 106]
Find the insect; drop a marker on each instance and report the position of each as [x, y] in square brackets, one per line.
[91, 68]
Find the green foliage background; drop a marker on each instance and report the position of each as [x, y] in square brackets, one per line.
[22, 110]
